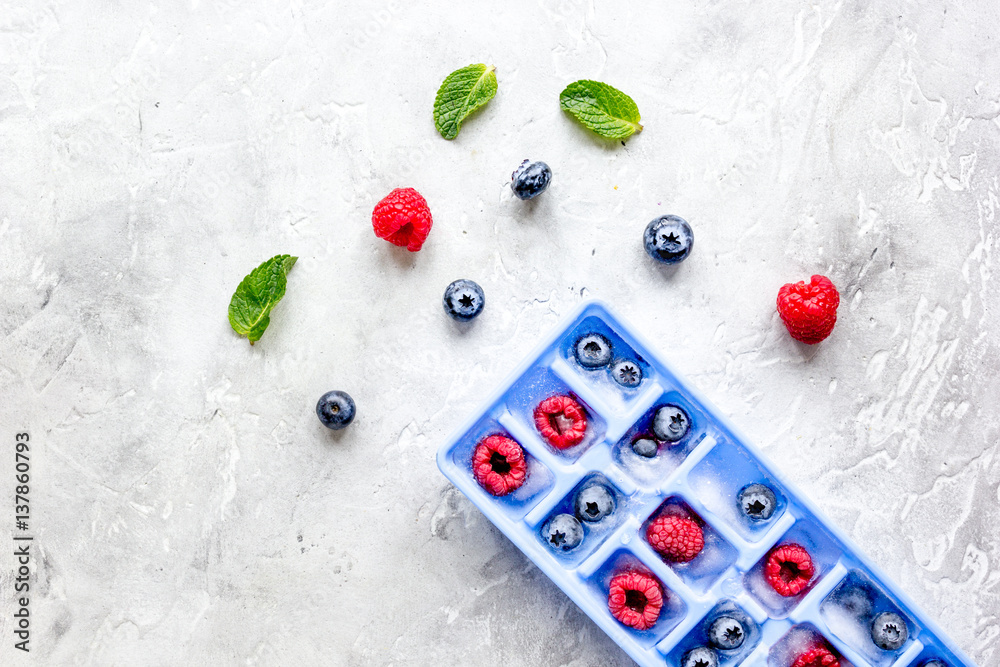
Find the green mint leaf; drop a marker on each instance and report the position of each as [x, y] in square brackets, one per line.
[250, 307]
[462, 92]
[602, 109]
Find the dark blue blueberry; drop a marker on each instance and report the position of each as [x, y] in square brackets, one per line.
[889, 631]
[670, 423]
[701, 656]
[593, 351]
[594, 502]
[530, 179]
[464, 300]
[646, 447]
[335, 409]
[726, 633]
[626, 373]
[668, 239]
[757, 502]
[563, 532]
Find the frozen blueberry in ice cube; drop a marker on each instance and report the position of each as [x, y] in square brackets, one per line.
[563, 532]
[670, 423]
[757, 502]
[593, 351]
[594, 502]
[726, 633]
[645, 447]
[889, 631]
[702, 656]
[934, 662]
[626, 373]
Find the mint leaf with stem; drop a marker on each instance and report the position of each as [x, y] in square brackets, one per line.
[601, 108]
[462, 92]
[250, 307]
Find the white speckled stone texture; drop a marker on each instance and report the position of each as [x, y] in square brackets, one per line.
[188, 507]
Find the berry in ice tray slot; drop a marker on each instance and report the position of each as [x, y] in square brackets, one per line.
[688, 545]
[654, 446]
[498, 464]
[561, 421]
[582, 520]
[635, 599]
[724, 637]
[612, 367]
[630, 595]
[804, 646]
[792, 567]
[859, 613]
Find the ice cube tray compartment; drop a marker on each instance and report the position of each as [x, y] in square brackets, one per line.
[623, 559]
[537, 484]
[715, 558]
[850, 610]
[594, 532]
[699, 635]
[701, 475]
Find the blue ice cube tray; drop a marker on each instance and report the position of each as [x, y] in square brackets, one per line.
[702, 474]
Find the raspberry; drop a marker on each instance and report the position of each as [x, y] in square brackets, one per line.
[498, 465]
[816, 657]
[403, 219]
[561, 421]
[788, 569]
[675, 537]
[809, 311]
[635, 599]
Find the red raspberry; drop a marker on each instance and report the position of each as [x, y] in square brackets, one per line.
[498, 465]
[816, 657]
[403, 219]
[809, 311]
[676, 537]
[561, 421]
[788, 569]
[635, 599]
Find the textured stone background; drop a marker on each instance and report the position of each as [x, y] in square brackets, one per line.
[188, 506]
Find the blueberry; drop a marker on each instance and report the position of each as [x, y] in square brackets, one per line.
[594, 502]
[593, 351]
[889, 631]
[464, 300]
[563, 532]
[670, 423]
[626, 373]
[530, 179]
[757, 502]
[645, 447]
[726, 633]
[701, 656]
[668, 239]
[934, 663]
[335, 409]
